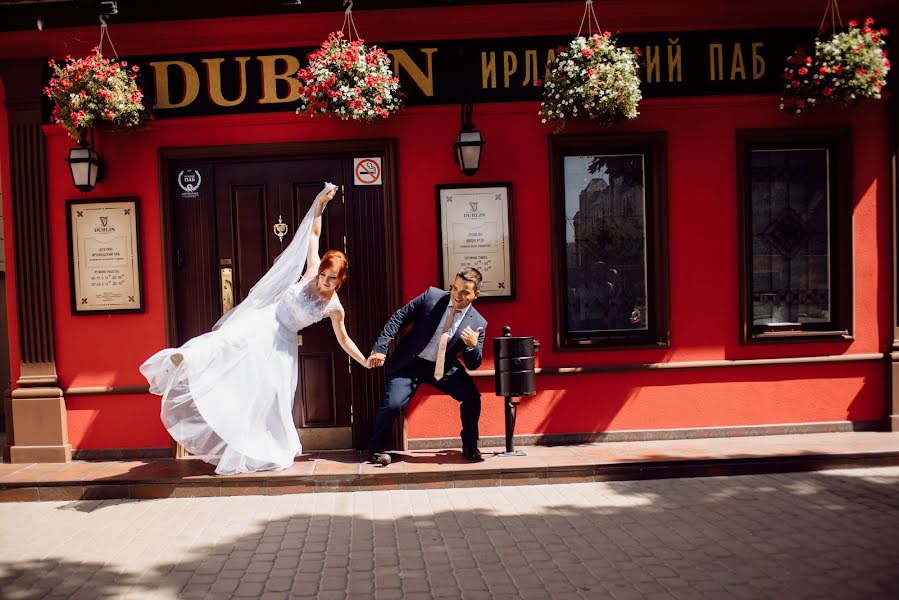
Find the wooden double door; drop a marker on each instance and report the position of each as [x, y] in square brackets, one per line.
[225, 221]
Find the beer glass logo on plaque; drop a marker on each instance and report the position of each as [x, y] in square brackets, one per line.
[473, 212]
[104, 226]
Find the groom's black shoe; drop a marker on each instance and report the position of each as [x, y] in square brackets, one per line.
[472, 453]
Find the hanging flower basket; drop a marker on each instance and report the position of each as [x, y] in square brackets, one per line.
[348, 80]
[92, 91]
[849, 66]
[595, 78]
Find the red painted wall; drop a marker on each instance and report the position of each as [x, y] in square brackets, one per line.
[106, 350]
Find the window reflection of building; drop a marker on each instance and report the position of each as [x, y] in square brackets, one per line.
[606, 260]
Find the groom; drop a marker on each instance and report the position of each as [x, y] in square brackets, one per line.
[444, 325]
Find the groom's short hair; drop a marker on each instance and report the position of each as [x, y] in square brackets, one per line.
[471, 274]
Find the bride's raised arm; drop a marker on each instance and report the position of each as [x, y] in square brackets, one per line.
[312, 257]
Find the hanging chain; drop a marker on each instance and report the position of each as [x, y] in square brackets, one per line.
[348, 21]
[590, 18]
[104, 33]
[834, 10]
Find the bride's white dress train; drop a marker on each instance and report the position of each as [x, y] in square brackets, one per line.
[227, 395]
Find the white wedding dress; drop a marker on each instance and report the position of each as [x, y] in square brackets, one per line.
[227, 395]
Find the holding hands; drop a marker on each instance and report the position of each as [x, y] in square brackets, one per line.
[376, 359]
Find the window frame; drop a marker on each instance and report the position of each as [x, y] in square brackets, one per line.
[653, 146]
[841, 215]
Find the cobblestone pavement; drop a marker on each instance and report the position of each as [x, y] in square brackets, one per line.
[832, 534]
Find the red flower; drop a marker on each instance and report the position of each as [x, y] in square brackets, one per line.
[795, 84]
[853, 23]
[828, 91]
[869, 21]
[883, 31]
[837, 68]
[539, 83]
[803, 71]
[862, 71]
[823, 70]
[800, 103]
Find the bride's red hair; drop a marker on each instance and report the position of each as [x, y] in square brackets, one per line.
[335, 259]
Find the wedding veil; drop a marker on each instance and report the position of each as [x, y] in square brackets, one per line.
[286, 270]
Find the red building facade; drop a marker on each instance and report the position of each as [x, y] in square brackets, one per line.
[659, 311]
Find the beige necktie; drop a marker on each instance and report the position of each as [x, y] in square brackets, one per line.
[441, 346]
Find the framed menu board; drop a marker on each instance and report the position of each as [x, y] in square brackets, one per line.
[475, 230]
[104, 256]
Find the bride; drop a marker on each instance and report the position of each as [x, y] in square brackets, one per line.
[227, 395]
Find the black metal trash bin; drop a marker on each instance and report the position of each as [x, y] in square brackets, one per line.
[514, 363]
[514, 376]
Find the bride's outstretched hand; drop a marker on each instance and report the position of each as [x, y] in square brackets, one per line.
[327, 194]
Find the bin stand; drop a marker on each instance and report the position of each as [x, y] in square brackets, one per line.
[511, 413]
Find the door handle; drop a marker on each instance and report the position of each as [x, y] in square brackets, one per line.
[227, 279]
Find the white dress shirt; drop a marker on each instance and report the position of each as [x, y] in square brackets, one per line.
[430, 351]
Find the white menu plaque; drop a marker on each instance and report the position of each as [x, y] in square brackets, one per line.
[104, 261]
[475, 231]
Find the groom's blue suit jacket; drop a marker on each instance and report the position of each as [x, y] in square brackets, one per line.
[425, 314]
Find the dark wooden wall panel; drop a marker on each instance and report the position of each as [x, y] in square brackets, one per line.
[369, 310]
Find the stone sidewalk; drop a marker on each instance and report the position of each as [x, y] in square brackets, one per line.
[828, 534]
[429, 469]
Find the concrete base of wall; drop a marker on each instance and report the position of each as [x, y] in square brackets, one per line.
[649, 435]
[40, 454]
[41, 430]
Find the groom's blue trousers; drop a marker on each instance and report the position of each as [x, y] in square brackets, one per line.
[401, 387]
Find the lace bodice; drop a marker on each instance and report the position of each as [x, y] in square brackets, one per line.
[299, 306]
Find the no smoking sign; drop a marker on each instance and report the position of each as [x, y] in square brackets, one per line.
[367, 171]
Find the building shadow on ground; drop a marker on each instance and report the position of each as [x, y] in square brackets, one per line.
[824, 535]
